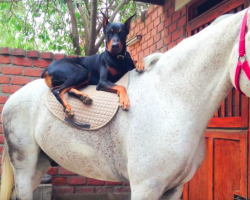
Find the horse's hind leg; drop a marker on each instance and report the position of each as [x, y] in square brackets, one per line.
[29, 176]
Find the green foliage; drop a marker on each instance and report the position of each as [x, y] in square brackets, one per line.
[44, 25]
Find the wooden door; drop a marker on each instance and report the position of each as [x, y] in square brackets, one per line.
[223, 174]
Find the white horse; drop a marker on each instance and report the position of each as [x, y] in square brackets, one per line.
[157, 145]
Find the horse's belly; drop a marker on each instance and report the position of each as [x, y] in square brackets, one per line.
[90, 154]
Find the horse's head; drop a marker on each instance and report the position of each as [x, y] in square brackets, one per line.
[239, 59]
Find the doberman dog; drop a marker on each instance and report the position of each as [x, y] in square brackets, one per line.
[103, 70]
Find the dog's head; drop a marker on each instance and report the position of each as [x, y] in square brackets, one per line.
[115, 34]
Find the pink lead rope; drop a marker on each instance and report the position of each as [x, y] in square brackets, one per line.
[243, 65]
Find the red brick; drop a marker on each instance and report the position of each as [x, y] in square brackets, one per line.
[122, 190]
[146, 52]
[182, 21]
[171, 11]
[59, 56]
[144, 31]
[3, 99]
[136, 57]
[1, 108]
[175, 35]
[1, 136]
[19, 80]
[147, 36]
[19, 52]
[182, 32]
[168, 22]
[133, 24]
[155, 7]
[157, 37]
[156, 22]
[53, 171]
[10, 89]
[83, 190]
[64, 171]
[5, 59]
[150, 9]
[183, 11]
[154, 31]
[141, 26]
[59, 181]
[4, 79]
[154, 15]
[77, 181]
[167, 5]
[150, 42]
[113, 183]
[163, 16]
[167, 40]
[165, 32]
[92, 181]
[126, 183]
[137, 29]
[172, 28]
[160, 27]
[1, 149]
[152, 48]
[148, 20]
[41, 63]
[32, 72]
[180, 39]
[22, 61]
[159, 44]
[150, 26]
[33, 54]
[104, 189]
[12, 70]
[0, 119]
[63, 190]
[5, 50]
[140, 56]
[173, 44]
[72, 56]
[160, 10]
[47, 55]
[133, 52]
[164, 49]
[176, 16]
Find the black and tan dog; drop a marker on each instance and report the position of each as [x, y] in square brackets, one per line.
[103, 70]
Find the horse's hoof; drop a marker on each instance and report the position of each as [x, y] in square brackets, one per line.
[86, 100]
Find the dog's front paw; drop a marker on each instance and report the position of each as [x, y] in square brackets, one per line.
[124, 103]
[139, 66]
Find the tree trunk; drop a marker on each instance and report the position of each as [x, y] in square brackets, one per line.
[92, 27]
[74, 35]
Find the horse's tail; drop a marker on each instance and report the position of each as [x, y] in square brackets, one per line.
[151, 59]
[7, 179]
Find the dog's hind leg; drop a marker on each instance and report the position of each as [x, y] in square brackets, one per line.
[81, 95]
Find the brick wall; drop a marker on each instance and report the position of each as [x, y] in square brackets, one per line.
[161, 31]
[19, 67]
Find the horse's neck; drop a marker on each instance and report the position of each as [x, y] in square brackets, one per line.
[193, 78]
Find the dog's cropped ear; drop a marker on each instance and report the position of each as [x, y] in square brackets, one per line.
[105, 21]
[127, 23]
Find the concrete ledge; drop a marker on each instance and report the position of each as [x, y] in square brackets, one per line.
[43, 192]
[95, 196]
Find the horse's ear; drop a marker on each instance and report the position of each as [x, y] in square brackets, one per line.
[105, 21]
[127, 23]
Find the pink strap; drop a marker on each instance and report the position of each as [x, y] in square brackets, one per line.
[243, 65]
